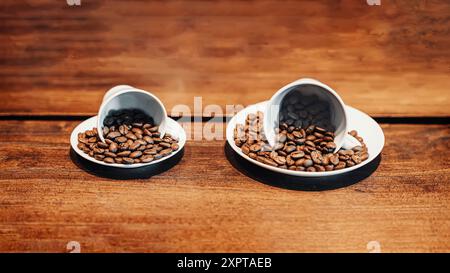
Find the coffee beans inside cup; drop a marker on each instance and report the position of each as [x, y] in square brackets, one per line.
[302, 111]
[299, 146]
[130, 137]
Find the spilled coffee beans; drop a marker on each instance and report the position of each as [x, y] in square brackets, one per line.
[300, 148]
[130, 137]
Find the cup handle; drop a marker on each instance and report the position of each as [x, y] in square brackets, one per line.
[115, 90]
[350, 142]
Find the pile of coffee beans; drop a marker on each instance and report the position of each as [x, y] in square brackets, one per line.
[302, 111]
[308, 148]
[130, 137]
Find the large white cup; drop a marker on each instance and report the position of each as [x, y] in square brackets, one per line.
[128, 97]
[311, 87]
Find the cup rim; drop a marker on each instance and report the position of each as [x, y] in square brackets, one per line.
[308, 81]
[121, 92]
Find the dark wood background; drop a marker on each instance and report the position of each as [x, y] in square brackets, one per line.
[56, 62]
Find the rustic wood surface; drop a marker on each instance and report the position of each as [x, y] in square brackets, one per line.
[48, 199]
[388, 60]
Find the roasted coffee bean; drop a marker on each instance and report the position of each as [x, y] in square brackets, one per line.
[310, 143]
[135, 145]
[164, 144]
[297, 155]
[279, 160]
[255, 148]
[340, 165]
[316, 157]
[131, 136]
[166, 152]
[146, 158]
[320, 130]
[310, 129]
[121, 139]
[364, 156]
[141, 148]
[113, 147]
[148, 139]
[346, 152]
[110, 154]
[135, 154]
[319, 168]
[311, 169]
[289, 149]
[331, 146]
[92, 139]
[113, 135]
[99, 156]
[98, 150]
[108, 160]
[175, 146]
[334, 159]
[147, 132]
[307, 163]
[127, 160]
[137, 131]
[124, 146]
[300, 162]
[102, 145]
[356, 159]
[268, 161]
[326, 159]
[150, 152]
[124, 153]
[123, 129]
[118, 160]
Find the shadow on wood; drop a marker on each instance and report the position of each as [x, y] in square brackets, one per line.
[124, 174]
[299, 183]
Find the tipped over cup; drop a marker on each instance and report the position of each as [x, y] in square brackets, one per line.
[307, 102]
[125, 97]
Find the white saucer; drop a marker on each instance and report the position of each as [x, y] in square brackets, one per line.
[172, 127]
[367, 128]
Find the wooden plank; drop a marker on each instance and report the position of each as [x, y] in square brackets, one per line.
[207, 203]
[388, 60]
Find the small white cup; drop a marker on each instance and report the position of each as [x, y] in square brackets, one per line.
[324, 93]
[128, 97]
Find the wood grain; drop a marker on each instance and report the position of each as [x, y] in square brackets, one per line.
[388, 60]
[206, 203]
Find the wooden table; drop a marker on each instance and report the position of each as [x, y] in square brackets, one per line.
[56, 62]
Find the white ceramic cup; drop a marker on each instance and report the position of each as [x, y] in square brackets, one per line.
[311, 87]
[126, 97]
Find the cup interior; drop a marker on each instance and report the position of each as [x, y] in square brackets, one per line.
[134, 99]
[306, 104]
